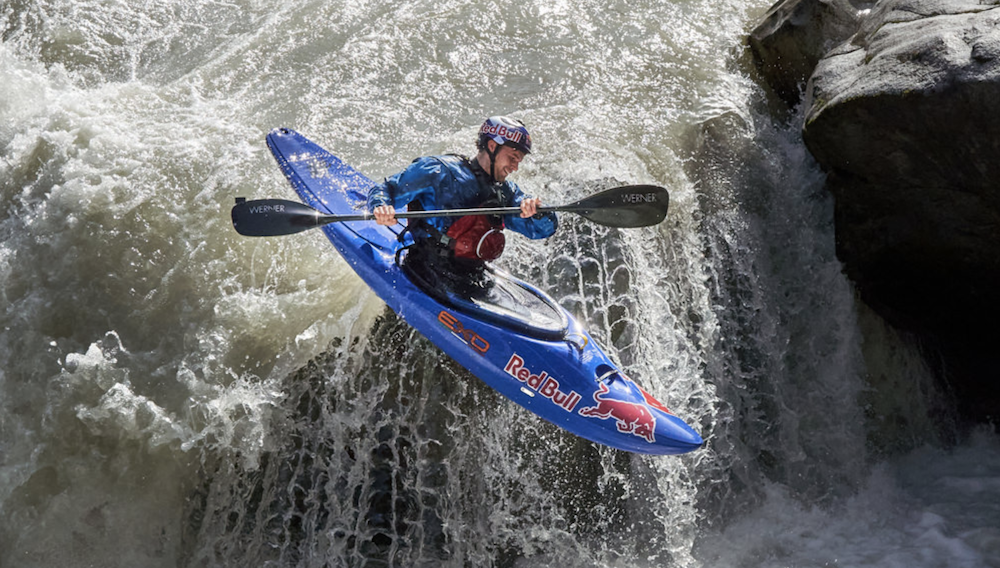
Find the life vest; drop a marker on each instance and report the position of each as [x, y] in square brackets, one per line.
[477, 237]
[472, 237]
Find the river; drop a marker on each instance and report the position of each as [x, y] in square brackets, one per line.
[174, 394]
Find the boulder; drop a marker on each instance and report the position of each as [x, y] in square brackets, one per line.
[903, 116]
[793, 36]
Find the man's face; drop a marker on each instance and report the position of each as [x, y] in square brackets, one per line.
[506, 162]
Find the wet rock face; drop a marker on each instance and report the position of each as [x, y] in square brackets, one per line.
[904, 115]
[792, 38]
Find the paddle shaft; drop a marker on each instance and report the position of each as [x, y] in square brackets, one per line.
[324, 219]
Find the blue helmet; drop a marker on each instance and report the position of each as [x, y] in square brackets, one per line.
[505, 132]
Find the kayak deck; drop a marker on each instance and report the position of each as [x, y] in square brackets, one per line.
[501, 299]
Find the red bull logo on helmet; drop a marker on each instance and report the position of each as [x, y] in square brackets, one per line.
[542, 383]
[513, 135]
[631, 417]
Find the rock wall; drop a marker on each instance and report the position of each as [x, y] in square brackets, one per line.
[902, 110]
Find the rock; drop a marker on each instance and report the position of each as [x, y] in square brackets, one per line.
[793, 36]
[903, 117]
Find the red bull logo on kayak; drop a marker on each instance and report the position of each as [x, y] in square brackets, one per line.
[542, 383]
[631, 417]
[469, 337]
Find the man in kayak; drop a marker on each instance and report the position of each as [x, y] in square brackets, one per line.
[457, 249]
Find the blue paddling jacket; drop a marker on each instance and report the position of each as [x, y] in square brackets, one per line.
[450, 182]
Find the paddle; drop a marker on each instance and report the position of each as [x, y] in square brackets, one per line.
[625, 207]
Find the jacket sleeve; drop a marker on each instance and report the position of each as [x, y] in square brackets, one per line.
[378, 195]
[540, 226]
[417, 182]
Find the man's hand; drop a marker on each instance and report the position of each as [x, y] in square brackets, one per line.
[529, 207]
[386, 215]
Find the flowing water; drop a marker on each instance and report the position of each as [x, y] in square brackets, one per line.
[173, 394]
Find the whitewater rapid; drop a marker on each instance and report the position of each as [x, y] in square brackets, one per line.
[173, 394]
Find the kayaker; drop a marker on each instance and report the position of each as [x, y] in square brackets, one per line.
[457, 249]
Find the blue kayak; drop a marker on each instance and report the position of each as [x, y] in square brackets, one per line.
[516, 339]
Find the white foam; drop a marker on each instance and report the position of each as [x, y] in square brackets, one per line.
[932, 507]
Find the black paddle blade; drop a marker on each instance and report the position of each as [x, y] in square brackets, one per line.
[625, 207]
[272, 217]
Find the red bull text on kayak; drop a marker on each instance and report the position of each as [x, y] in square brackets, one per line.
[542, 383]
